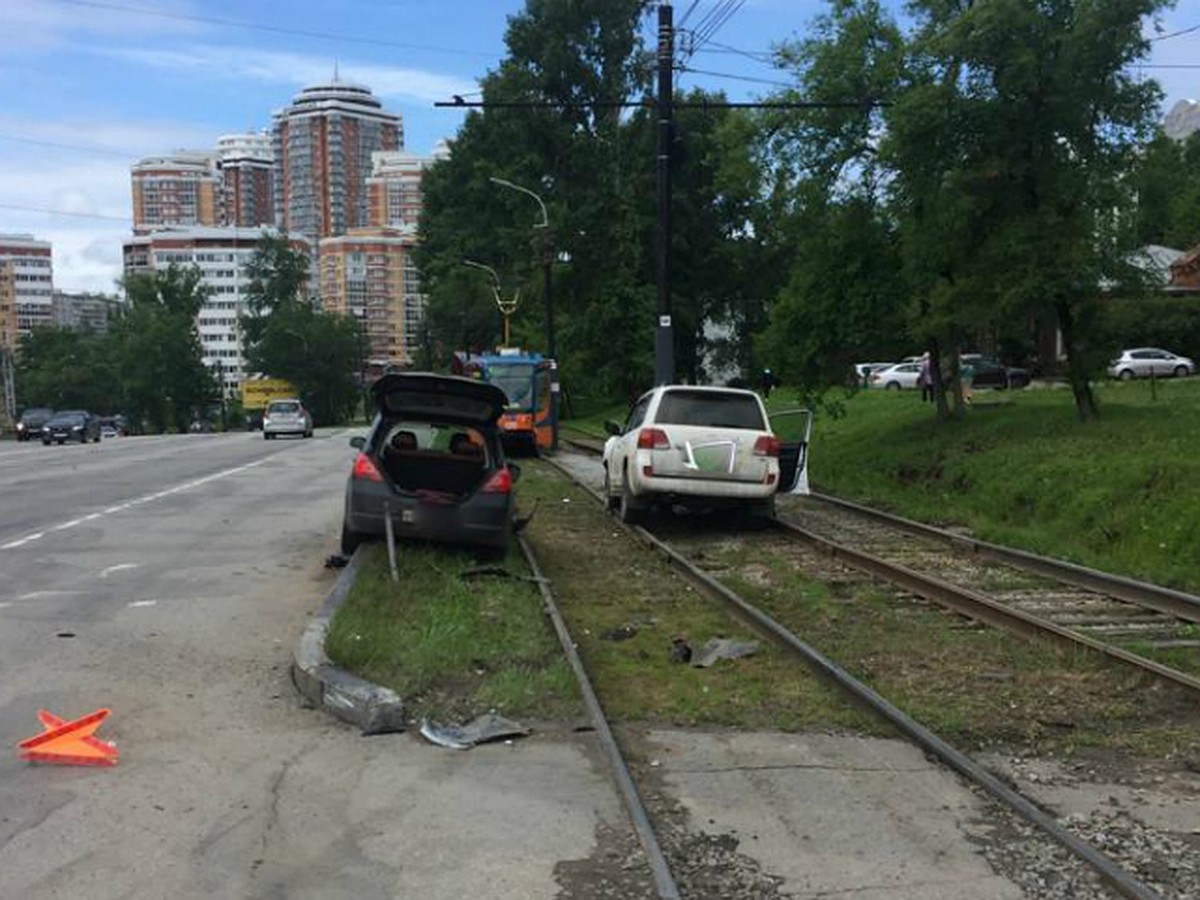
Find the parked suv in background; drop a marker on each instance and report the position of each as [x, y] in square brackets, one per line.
[30, 424]
[286, 417]
[1143, 362]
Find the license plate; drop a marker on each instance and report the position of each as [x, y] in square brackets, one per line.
[408, 516]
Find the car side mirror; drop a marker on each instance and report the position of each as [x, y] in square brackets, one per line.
[358, 442]
[515, 471]
[612, 428]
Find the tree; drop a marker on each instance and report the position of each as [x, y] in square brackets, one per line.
[164, 380]
[66, 369]
[288, 338]
[1167, 184]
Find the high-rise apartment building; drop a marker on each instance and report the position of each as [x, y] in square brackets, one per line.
[369, 273]
[182, 189]
[246, 164]
[33, 279]
[323, 144]
[394, 194]
[221, 255]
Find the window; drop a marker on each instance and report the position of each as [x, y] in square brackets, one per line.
[711, 409]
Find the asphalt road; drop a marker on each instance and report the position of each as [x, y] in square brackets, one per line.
[168, 580]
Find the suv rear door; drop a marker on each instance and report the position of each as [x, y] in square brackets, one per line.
[793, 454]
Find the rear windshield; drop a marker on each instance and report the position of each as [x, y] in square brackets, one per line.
[284, 408]
[433, 438]
[710, 409]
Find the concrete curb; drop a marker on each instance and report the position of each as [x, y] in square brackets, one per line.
[374, 709]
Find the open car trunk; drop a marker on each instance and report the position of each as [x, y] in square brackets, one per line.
[437, 475]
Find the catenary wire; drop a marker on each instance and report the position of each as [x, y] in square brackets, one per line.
[274, 29]
[63, 212]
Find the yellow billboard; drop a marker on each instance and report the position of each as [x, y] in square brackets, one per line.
[258, 392]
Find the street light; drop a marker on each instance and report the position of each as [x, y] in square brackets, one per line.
[506, 307]
[547, 266]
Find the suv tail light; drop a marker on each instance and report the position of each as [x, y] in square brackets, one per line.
[767, 445]
[365, 469]
[653, 439]
[499, 483]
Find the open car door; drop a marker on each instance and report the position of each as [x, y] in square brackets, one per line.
[793, 454]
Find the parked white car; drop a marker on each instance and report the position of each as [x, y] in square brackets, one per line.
[1143, 362]
[863, 371]
[701, 448]
[900, 376]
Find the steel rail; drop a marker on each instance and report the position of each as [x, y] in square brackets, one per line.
[1166, 600]
[664, 883]
[979, 606]
[1108, 869]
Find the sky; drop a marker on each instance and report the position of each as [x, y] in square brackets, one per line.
[90, 86]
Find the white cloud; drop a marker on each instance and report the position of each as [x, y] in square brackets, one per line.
[41, 25]
[299, 70]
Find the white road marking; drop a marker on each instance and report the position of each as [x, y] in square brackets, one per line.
[5, 605]
[119, 567]
[11, 545]
[186, 486]
[137, 603]
[36, 594]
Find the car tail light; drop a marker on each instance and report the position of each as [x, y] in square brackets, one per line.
[499, 483]
[767, 445]
[653, 439]
[365, 469]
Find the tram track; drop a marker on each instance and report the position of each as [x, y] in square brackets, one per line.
[1125, 620]
[1111, 872]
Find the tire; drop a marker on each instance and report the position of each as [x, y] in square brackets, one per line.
[1126, 375]
[351, 540]
[266, 436]
[83, 437]
[892, 386]
[1182, 372]
[627, 509]
[610, 502]
[45, 442]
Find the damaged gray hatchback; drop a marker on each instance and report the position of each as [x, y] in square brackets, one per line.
[432, 463]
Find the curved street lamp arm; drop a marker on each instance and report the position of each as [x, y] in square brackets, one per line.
[504, 182]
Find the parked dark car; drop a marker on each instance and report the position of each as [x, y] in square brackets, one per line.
[433, 462]
[991, 374]
[30, 424]
[71, 425]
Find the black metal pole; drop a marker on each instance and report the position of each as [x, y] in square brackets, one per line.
[664, 335]
[551, 349]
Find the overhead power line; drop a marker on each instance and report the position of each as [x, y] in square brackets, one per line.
[783, 84]
[64, 212]
[1175, 34]
[273, 29]
[82, 148]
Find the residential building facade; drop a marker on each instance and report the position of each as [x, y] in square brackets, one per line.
[322, 145]
[181, 189]
[84, 311]
[369, 273]
[247, 166]
[394, 194]
[221, 254]
[8, 305]
[32, 278]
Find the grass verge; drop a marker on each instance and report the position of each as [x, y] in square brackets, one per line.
[609, 587]
[452, 647]
[1121, 493]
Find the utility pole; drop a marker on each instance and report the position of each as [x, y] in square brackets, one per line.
[664, 333]
[9, 410]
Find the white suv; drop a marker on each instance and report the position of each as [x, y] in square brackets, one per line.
[700, 447]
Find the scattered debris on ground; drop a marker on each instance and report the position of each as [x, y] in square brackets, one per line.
[336, 561]
[724, 648]
[480, 730]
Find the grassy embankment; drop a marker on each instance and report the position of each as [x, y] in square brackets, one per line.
[1121, 493]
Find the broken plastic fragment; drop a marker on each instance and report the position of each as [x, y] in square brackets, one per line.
[480, 730]
[723, 648]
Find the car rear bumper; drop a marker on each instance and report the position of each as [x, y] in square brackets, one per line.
[483, 519]
[711, 492]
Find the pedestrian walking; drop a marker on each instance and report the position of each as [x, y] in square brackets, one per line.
[768, 383]
[966, 377]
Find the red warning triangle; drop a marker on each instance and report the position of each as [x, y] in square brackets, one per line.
[69, 743]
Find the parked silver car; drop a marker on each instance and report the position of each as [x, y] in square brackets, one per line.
[286, 417]
[1143, 362]
[901, 376]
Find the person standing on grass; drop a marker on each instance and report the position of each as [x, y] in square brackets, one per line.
[925, 378]
[768, 383]
[966, 377]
